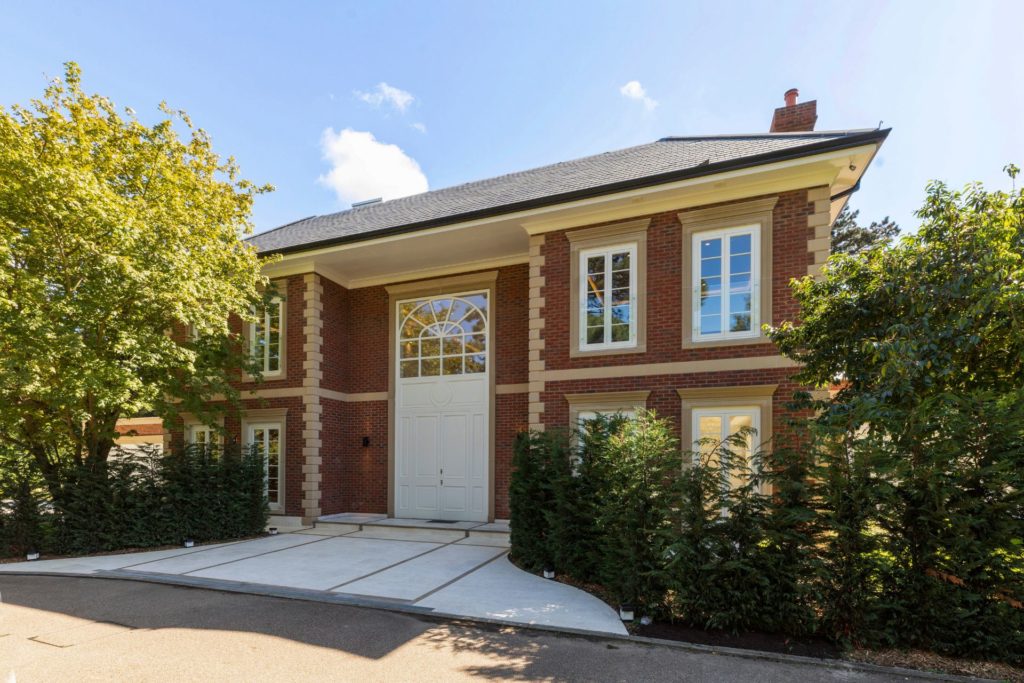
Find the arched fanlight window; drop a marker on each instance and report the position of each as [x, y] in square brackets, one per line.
[445, 336]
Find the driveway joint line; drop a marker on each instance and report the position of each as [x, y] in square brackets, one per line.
[390, 566]
[459, 577]
[212, 546]
[241, 559]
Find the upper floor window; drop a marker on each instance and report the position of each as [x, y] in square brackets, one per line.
[726, 283]
[608, 297]
[265, 341]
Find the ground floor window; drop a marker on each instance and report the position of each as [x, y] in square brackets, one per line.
[714, 426]
[266, 438]
[583, 407]
[203, 435]
[584, 416]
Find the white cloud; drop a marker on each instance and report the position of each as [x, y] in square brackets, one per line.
[634, 91]
[386, 94]
[364, 168]
[421, 127]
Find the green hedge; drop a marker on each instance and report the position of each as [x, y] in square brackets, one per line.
[137, 500]
[832, 533]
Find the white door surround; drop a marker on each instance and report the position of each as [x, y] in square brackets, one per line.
[442, 369]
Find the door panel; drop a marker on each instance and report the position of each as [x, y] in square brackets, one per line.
[442, 403]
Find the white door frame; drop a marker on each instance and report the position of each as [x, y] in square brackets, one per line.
[445, 288]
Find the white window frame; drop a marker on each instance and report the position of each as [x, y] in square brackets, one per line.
[253, 339]
[726, 412]
[251, 435]
[584, 289]
[590, 414]
[212, 436]
[755, 282]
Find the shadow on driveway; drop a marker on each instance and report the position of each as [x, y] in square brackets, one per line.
[61, 628]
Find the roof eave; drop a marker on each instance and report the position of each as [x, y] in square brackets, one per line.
[873, 136]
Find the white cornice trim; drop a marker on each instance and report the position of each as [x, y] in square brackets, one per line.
[679, 368]
[468, 267]
[285, 269]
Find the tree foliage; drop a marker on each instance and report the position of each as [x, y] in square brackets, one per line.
[889, 514]
[113, 233]
[850, 237]
[921, 450]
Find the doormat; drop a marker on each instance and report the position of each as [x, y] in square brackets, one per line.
[442, 521]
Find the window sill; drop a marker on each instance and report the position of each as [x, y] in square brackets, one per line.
[264, 377]
[690, 343]
[614, 351]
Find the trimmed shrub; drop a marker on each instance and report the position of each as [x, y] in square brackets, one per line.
[539, 460]
[138, 500]
[635, 476]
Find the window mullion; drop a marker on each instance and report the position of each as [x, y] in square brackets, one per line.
[633, 310]
[726, 284]
[608, 297]
[584, 288]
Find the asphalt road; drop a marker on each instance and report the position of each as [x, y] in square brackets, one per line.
[86, 629]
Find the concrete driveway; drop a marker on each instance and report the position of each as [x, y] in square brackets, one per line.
[84, 629]
[453, 576]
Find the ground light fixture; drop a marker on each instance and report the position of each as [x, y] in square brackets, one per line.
[549, 572]
[626, 612]
[189, 543]
[32, 555]
[273, 531]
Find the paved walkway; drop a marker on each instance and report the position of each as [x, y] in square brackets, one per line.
[455, 578]
[84, 629]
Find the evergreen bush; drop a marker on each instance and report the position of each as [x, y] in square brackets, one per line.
[138, 499]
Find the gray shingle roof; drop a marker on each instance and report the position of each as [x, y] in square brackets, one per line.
[609, 172]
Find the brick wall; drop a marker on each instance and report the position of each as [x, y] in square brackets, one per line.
[790, 234]
[356, 361]
[291, 290]
[355, 358]
[336, 335]
[663, 398]
[795, 119]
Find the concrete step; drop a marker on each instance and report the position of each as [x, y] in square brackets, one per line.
[494, 534]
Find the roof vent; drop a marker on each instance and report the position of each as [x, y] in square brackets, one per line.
[367, 202]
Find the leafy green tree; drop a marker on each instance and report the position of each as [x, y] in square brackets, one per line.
[923, 445]
[850, 237]
[113, 234]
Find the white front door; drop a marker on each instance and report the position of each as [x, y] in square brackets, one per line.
[442, 408]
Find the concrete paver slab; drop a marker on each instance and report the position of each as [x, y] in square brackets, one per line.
[99, 563]
[419, 576]
[400, 534]
[422, 524]
[352, 517]
[184, 564]
[320, 565]
[489, 540]
[500, 590]
[466, 578]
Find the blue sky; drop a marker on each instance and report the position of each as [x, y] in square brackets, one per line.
[476, 89]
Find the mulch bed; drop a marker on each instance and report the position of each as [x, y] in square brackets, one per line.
[929, 661]
[750, 640]
[809, 647]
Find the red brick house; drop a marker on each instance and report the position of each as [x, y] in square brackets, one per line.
[415, 337]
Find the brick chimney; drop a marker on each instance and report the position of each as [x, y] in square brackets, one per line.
[795, 118]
